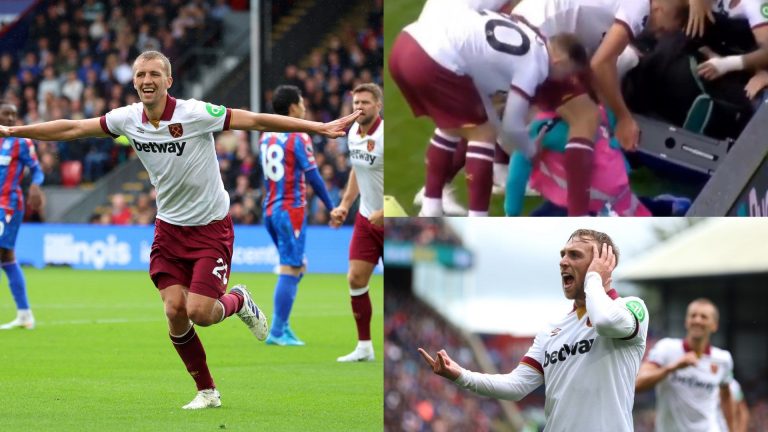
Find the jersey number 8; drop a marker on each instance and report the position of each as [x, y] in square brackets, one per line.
[272, 162]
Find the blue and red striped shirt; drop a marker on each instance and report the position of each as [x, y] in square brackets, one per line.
[285, 157]
[15, 154]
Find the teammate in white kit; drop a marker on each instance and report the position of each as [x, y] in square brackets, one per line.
[192, 249]
[451, 63]
[690, 375]
[588, 360]
[366, 152]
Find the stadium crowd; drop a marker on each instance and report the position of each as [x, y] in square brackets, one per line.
[76, 63]
[415, 399]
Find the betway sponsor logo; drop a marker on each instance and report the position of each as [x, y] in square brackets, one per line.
[363, 156]
[63, 249]
[692, 381]
[153, 147]
[580, 347]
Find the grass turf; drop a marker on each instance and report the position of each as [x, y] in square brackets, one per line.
[100, 360]
[407, 137]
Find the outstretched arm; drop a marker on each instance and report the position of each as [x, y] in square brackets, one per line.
[513, 386]
[350, 195]
[57, 130]
[246, 120]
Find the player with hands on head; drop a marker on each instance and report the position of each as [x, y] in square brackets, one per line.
[587, 359]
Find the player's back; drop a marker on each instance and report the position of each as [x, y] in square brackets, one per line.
[587, 19]
[494, 49]
[285, 156]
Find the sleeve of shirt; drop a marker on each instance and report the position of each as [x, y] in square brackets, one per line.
[525, 378]
[658, 354]
[305, 155]
[756, 13]
[728, 372]
[613, 319]
[210, 118]
[633, 15]
[514, 131]
[113, 122]
[29, 159]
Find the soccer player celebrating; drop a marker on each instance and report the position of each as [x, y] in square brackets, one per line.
[588, 360]
[690, 375]
[287, 159]
[192, 249]
[15, 154]
[366, 151]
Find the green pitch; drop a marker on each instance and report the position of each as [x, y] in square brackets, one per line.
[407, 137]
[100, 360]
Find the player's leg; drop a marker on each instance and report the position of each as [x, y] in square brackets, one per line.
[481, 144]
[187, 343]
[11, 268]
[290, 238]
[451, 205]
[358, 277]
[365, 250]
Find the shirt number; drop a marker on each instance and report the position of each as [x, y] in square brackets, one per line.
[272, 162]
[505, 22]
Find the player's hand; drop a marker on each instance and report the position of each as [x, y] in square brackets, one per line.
[443, 365]
[377, 218]
[603, 263]
[338, 127]
[338, 215]
[758, 82]
[700, 12]
[5, 131]
[35, 197]
[688, 359]
[628, 133]
[716, 67]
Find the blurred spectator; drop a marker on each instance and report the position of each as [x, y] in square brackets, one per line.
[121, 214]
[145, 211]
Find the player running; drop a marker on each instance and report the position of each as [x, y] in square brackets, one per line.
[15, 155]
[451, 63]
[192, 249]
[287, 159]
[588, 360]
[366, 152]
[690, 375]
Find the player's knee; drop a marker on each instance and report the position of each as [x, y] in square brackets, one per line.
[199, 315]
[175, 311]
[356, 280]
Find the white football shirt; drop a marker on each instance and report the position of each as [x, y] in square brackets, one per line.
[179, 156]
[587, 19]
[754, 11]
[495, 50]
[366, 153]
[589, 377]
[687, 399]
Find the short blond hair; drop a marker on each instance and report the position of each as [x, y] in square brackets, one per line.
[154, 55]
[371, 88]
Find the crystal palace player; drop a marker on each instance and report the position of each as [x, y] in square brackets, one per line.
[192, 249]
[287, 159]
[588, 360]
[15, 155]
[690, 375]
[366, 151]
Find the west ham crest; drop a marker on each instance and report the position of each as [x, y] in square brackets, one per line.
[371, 145]
[713, 367]
[176, 130]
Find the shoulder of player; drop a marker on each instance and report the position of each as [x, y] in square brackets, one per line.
[720, 354]
[668, 344]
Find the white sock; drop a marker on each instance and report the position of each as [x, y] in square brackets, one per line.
[432, 207]
[365, 345]
[24, 314]
[473, 213]
[500, 174]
